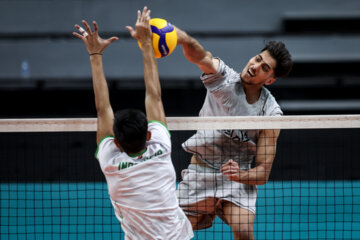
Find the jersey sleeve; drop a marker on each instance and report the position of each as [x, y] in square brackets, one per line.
[106, 151]
[223, 86]
[159, 133]
[275, 111]
[223, 77]
[271, 107]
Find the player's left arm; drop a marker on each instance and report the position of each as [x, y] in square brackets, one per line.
[95, 46]
[153, 102]
[266, 149]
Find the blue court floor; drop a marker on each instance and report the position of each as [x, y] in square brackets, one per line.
[285, 210]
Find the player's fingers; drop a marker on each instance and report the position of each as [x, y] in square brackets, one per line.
[143, 14]
[226, 173]
[224, 167]
[147, 18]
[233, 164]
[131, 31]
[232, 177]
[229, 169]
[225, 170]
[95, 27]
[79, 36]
[147, 12]
[138, 16]
[112, 39]
[227, 164]
[81, 30]
[88, 29]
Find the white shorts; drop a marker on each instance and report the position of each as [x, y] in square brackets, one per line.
[204, 190]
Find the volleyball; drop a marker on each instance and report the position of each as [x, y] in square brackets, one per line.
[164, 37]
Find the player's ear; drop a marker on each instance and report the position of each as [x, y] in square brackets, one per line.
[148, 136]
[270, 81]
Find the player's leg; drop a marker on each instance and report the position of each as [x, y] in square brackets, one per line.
[201, 221]
[196, 196]
[195, 220]
[199, 209]
[240, 220]
[237, 206]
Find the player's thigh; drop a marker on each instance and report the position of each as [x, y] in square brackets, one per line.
[195, 220]
[201, 221]
[238, 218]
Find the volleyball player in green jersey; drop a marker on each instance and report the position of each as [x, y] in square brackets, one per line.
[134, 149]
[220, 180]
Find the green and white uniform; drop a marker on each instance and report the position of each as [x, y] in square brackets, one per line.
[142, 188]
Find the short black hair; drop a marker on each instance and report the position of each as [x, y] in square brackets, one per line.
[130, 129]
[279, 52]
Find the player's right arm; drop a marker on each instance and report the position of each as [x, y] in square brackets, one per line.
[153, 103]
[259, 175]
[96, 46]
[195, 53]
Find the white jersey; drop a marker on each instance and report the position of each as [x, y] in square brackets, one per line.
[142, 188]
[226, 97]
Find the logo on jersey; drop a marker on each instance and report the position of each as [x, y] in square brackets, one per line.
[124, 165]
[236, 135]
[158, 152]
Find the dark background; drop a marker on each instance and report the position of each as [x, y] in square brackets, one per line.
[45, 72]
[302, 155]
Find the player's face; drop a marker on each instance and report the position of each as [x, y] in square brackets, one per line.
[259, 70]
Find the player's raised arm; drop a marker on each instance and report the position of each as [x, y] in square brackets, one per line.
[153, 103]
[95, 46]
[195, 53]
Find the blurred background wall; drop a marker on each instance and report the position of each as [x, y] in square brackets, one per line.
[45, 71]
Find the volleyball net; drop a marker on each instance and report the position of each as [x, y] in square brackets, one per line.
[51, 185]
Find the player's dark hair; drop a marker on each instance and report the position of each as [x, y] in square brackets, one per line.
[282, 56]
[130, 129]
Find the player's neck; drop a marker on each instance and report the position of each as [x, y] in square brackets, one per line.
[138, 154]
[252, 93]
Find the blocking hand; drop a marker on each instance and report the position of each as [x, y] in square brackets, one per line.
[94, 43]
[142, 26]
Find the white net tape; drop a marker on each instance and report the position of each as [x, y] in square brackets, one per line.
[189, 123]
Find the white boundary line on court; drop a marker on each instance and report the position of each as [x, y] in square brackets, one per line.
[190, 123]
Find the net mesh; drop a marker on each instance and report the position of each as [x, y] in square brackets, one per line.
[52, 186]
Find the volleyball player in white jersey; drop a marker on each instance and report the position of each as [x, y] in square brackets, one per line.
[220, 180]
[134, 149]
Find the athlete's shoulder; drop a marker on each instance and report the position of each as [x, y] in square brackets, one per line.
[270, 105]
[106, 142]
[223, 77]
[153, 124]
[159, 133]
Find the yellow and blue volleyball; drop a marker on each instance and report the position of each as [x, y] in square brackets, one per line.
[164, 37]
